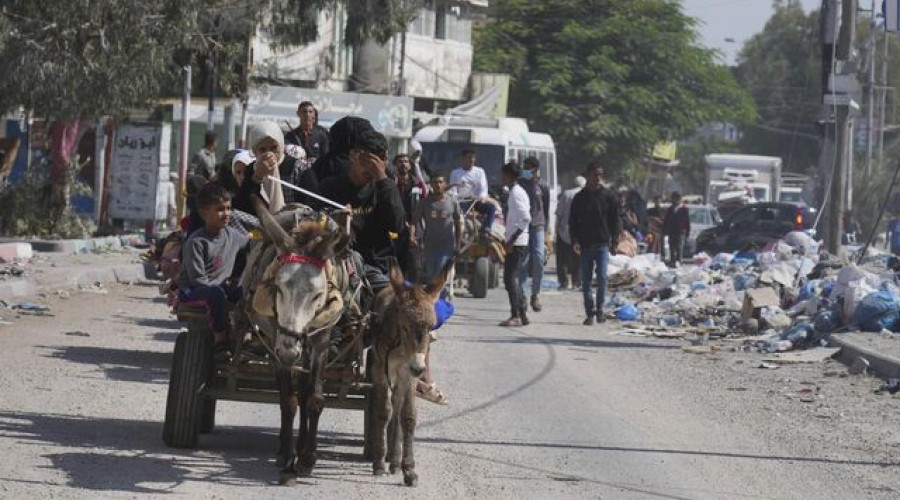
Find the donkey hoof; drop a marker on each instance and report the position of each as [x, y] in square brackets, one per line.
[287, 478]
[378, 469]
[281, 460]
[410, 478]
[304, 470]
[394, 468]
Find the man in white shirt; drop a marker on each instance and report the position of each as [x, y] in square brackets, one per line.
[470, 182]
[518, 217]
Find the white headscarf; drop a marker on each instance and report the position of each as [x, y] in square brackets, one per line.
[271, 190]
[243, 156]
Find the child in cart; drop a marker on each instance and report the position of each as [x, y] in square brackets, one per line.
[208, 258]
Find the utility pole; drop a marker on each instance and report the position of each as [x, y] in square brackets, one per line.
[185, 140]
[870, 86]
[841, 85]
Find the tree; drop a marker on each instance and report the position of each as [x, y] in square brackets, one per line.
[606, 78]
[781, 68]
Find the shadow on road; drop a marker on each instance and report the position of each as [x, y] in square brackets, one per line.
[119, 364]
[129, 455]
[164, 324]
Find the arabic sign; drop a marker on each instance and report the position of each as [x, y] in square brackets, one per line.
[390, 115]
[137, 151]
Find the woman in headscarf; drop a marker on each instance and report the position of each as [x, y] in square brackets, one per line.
[336, 163]
[266, 141]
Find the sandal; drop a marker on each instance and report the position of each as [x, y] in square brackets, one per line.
[433, 394]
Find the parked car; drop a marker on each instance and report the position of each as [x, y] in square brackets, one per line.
[755, 225]
[702, 217]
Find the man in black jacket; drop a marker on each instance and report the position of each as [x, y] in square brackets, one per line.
[375, 200]
[310, 136]
[593, 226]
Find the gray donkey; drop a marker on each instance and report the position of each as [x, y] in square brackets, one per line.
[400, 347]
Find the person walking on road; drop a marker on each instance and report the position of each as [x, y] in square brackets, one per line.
[568, 266]
[593, 226]
[677, 227]
[204, 161]
[518, 217]
[539, 200]
[440, 216]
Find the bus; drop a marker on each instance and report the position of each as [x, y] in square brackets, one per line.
[495, 142]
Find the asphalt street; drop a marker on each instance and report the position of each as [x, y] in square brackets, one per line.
[551, 410]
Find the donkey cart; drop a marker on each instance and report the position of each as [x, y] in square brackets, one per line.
[197, 382]
[481, 256]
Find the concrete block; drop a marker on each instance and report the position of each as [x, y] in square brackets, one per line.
[60, 246]
[12, 251]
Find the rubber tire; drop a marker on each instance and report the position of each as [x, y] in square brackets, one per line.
[480, 277]
[494, 280]
[207, 416]
[190, 368]
[369, 412]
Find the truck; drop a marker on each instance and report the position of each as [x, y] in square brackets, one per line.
[748, 178]
[793, 187]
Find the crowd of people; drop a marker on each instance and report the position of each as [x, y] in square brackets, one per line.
[399, 219]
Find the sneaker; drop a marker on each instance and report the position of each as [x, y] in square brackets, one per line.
[535, 303]
[588, 321]
[512, 321]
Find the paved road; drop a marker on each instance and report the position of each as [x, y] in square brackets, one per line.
[552, 410]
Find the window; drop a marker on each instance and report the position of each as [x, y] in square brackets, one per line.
[453, 22]
[423, 24]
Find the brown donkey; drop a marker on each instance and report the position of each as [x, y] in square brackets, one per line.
[401, 345]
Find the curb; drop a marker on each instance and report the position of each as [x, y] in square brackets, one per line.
[883, 365]
[86, 245]
[122, 273]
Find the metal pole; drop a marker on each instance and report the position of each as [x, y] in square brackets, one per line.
[99, 167]
[185, 140]
[884, 86]
[870, 106]
[211, 110]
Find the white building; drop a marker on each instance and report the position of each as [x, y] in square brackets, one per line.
[431, 62]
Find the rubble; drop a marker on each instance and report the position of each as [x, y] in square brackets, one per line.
[785, 298]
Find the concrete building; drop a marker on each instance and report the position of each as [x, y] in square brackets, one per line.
[431, 62]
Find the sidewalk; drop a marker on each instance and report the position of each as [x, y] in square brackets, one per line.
[68, 264]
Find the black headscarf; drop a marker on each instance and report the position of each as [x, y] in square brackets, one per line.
[345, 134]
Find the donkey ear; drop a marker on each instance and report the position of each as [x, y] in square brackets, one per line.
[331, 244]
[436, 286]
[397, 281]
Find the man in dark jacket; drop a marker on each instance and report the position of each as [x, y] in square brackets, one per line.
[677, 227]
[539, 198]
[310, 136]
[336, 162]
[377, 208]
[593, 226]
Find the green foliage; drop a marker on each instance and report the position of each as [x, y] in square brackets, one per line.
[27, 211]
[295, 22]
[781, 68]
[608, 79]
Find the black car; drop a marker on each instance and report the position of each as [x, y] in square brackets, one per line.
[755, 225]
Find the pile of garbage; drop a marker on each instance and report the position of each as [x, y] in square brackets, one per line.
[783, 297]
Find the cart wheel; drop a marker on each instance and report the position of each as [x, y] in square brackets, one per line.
[494, 280]
[480, 278]
[369, 413]
[184, 405]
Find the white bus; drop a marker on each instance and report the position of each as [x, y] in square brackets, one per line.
[495, 141]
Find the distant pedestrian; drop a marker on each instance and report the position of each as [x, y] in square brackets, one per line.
[593, 226]
[310, 136]
[568, 265]
[408, 250]
[204, 161]
[518, 217]
[677, 227]
[441, 237]
[851, 230]
[539, 200]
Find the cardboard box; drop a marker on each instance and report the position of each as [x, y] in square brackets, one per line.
[756, 299]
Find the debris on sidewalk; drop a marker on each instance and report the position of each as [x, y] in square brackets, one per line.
[784, 300]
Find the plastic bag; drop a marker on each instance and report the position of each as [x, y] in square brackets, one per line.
[877, 311]
[744, 281]
[826, 321]
[628, 312]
